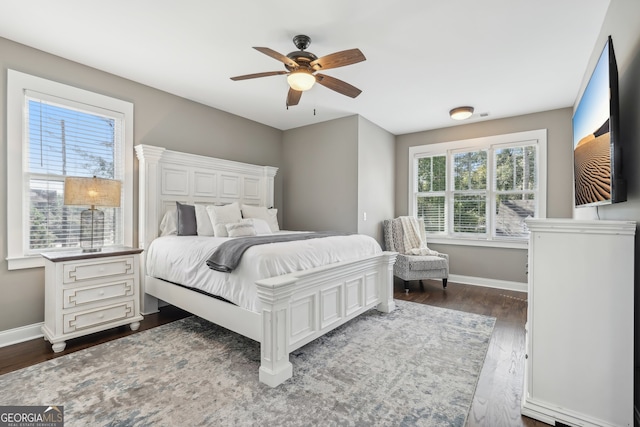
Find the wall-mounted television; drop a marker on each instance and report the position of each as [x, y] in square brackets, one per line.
[597, 154]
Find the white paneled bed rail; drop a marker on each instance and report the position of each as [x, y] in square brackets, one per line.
[297, 307]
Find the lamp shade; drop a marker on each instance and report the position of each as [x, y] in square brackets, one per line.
[92, 191]
[461, 113]
[301, 80]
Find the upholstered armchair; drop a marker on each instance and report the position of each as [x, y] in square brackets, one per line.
[414, 267]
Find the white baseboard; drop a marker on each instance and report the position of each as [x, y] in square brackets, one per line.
[489, 283]
[21, 334]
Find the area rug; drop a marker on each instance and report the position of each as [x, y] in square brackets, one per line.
[418, 365]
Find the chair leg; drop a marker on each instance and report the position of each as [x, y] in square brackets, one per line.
[406, 287]
[421, 284]
[444, 283]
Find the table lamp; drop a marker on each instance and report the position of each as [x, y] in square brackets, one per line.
[92, 192]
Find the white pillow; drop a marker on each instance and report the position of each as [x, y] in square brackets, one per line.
[273, 219]
[260, 225]
[204, 225]
[261, 212]
[222, 215]
[169, 223]
[240, 229]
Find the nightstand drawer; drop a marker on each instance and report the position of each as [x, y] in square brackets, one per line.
[75, 272]
[87, 319]
[79, 296]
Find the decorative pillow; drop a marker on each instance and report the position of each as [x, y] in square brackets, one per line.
[205, 227]
[221, 215]
[240, 229]
[261, 226]
[273, 219]
[169, 223]
[187, 225]
[261, 212]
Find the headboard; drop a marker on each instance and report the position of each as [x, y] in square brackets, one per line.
[167, 177]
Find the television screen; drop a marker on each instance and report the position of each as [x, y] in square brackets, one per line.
[596, 153]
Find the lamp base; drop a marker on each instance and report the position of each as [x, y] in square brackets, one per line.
[91, 230]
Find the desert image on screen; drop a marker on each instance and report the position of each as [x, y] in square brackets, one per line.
[592, 156]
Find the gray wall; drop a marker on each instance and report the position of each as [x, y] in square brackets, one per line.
[498, 263]
[376, 174]
[321, 178]
[335, 172]
[621, 23]
[160, 119]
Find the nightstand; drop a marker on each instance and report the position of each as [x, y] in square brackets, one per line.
[87, 292]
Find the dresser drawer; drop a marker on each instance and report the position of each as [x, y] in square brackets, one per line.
[87, 319]
[76, 272]
[79, 296]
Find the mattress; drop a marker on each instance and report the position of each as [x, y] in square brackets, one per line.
[182, 260]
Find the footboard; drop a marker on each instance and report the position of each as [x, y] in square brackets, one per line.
[300, 307]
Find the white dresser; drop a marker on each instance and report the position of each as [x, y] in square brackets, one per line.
[90, 292]
[579, 367]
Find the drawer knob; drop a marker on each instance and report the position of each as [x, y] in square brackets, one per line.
[101, 293]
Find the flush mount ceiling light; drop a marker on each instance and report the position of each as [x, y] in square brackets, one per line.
[301, 80]
[461, 113]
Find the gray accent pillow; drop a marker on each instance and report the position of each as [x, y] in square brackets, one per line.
[187, 225]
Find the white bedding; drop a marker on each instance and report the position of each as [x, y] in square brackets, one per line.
[181, 259]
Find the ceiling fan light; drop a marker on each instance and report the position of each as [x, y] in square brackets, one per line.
[301, 80]
[461, 113]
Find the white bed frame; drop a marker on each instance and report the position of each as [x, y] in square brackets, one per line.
[296, 308]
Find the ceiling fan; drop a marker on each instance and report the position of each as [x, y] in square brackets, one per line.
[302, 69]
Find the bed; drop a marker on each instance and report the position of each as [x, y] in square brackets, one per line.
[293, 308]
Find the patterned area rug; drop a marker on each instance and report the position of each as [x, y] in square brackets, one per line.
[416, 366]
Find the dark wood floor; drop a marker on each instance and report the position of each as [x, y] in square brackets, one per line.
[498, 395]
[500, 387]
[29, 353]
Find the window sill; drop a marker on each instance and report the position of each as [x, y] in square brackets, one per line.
[509, 244]
[25, 262]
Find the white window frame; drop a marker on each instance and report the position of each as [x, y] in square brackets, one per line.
[537, 137]
[17, 198]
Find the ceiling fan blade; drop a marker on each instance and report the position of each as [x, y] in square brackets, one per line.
[338, 85]
[275, 55]
[338, 59]
[293, 97]
[256, 75]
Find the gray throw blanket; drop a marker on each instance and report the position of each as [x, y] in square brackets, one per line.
[227, 256]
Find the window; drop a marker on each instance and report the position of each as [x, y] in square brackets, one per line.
[431, 192]
[56, 131]
[480, 191]
[469, 192]
[515, 189]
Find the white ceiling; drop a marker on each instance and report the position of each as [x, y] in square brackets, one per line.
[504, 57]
